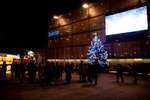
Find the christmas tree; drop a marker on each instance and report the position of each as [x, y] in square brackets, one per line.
[96, 53]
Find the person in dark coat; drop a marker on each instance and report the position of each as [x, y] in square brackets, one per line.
[4, 68]
[48, 72]
[81, 71]
[133, 72]
[68, 71]
[119, 69]
[40, 70]
[92, 73]
[17, 71]
[61, 69]
[89, 73]
[31, 70]
[22, 71]
[85, 67]
[12, 70]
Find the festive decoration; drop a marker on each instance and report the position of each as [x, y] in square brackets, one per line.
[96, 53]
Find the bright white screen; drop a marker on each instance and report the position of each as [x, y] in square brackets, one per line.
[128, 21]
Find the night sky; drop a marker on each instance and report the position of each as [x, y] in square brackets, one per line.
[24, 24]
[62, 6]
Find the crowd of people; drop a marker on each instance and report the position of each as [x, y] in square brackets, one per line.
[48, 72]
[51, 71]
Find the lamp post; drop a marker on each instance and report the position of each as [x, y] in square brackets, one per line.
[55, 40]
[86, 6]
[57, 19]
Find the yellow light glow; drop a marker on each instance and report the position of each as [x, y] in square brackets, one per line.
[128, 60]
[85, 5]
[138, 59]
[55, 17]
[1, 60]
[93, 12]
[8, 58]
[62, 21]
[9, 68]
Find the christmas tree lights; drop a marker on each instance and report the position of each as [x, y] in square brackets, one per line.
[96, 53]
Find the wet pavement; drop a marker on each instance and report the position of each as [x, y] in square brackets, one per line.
[106, 89]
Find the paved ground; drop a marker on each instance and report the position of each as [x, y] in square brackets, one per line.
[107, 89]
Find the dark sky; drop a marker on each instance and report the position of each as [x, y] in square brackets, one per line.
[62, 6]
[24, 23]
[65, 6]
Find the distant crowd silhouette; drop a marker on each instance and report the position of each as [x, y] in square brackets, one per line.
[48, 72]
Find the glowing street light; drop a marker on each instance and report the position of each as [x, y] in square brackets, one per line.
[55, 17]
[85, 5]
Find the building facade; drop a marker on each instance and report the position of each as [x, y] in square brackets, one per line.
[76, 30]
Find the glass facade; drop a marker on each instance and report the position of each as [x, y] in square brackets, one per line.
[77, 28]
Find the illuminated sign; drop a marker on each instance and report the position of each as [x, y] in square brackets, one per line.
[53, 33]
[8, 58]
[128, 21]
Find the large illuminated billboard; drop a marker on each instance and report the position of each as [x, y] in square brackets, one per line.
[128, 21]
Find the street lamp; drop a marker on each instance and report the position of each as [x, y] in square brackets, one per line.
[55, 17]
[85, 5]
